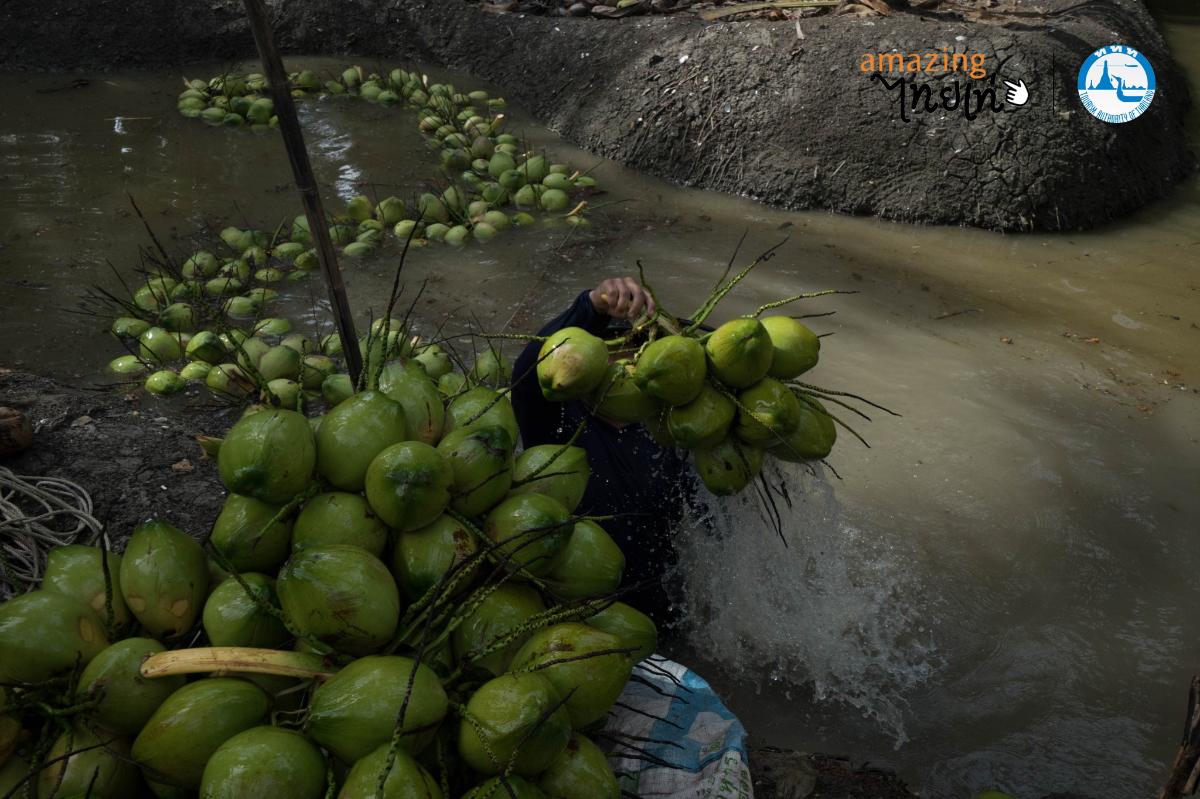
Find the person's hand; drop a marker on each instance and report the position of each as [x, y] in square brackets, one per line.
[621, 298]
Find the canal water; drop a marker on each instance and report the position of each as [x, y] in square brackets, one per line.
[999, 591]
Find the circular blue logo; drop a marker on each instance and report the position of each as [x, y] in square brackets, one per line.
[1116, 83]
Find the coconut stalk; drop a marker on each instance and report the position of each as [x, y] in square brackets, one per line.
[306, 182]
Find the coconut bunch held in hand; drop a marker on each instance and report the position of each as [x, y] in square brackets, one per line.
[730, 396]
[394, 602]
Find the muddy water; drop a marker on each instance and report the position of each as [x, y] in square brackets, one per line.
[999, 592]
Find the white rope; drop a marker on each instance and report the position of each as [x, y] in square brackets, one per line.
[36, 515]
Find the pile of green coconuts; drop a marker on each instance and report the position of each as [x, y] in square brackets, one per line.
[393, 602]
[493, 184]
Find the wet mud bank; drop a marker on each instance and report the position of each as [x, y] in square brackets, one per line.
[778, 111]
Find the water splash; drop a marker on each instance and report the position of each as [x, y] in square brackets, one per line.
[834, 610]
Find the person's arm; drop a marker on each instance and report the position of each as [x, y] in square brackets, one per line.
[619, 298]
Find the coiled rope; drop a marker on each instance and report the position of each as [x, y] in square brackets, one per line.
[36, 515]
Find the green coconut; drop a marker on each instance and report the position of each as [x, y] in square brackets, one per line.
[512, 787]
[618, 397]
[491, 368]
[411, 387]
[191, 725]
[285, 393]
[571, 364]
[158, 345]
[481, 407]
[360, 208]
[43, 633]
[222, 286]
[247, 536]
[534, 168]
[125, 699]
[500, 612]
[432, 208]
[635, 629]
[739, 352]
[702, 422]
[206, 346]
[129, 327]
[729, 466]
[457, 235]
[422, 557]
[796, 347]
[554, 470]
[355, 711]
[88, 762]
[250, 351]
[228, 379]
[554, 200]
[128, 365]
[177, 317]
[391, 210]
[268, 455]
[406, 778]
[233, 618]
[514, 723]
[408, 484]
[482, 462]
[200, 264]
[314, 370]
[812, 439]
[591, 564]
[569, 656]
[580, 772]
[164, 578]
[77, 571]
[768, 411]
[530, 530]
[338, 517]
[265, 761]
[671, 369]
[451, 384]
[353, 433]
[279, 362]
[337, 388]
[164, 382]
[340, 594]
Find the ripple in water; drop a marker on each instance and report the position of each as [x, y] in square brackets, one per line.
[834, 610]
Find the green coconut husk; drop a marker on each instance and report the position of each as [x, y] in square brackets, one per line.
[191, 725]
[530, 531]
[580, 772]
[702, 422]
[234, 618]
[556, 471]
[812, 439]
[45, 633]
[405, 778]
[164, 578]
[86, 762]
[341, 595]
[128, 365]
[268, 455]
[250, 536]
[796, 347]
[480, 407]
[353, 433]
[356, 711]
[339, 517]
[514, 723]
[504, 609]
[482, 462]
[164, 382]
[337, 388]
[634, 629]
[410, 385]
[265, 761]
[671, 369]
[125, 700]
[512, 787]
[590, 565]
[129, 327]
[408, 484]
[76, 571]
[587, 666]
[767, 412]
[739, 352]
[618, 397]
[422, 557]
[571, 364]
[729, 466]
[158, 345]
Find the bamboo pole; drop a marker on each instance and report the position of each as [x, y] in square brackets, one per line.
[306, 182]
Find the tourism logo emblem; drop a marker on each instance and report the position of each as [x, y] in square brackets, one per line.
[1116, 83]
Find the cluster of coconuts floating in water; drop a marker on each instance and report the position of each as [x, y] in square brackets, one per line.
[493, 184]
[393, 602]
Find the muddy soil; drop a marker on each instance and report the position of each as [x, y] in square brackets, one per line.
[764, 109]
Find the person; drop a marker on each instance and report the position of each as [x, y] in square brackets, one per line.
[640, 484]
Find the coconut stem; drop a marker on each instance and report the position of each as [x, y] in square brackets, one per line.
[805, 296]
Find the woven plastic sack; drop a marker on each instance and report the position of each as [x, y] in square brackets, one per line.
[669, 735]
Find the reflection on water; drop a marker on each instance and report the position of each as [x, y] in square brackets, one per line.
[1000, 591]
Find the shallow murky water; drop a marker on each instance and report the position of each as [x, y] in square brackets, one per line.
[1000, 591]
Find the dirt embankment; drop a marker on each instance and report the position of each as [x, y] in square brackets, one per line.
[757, 108]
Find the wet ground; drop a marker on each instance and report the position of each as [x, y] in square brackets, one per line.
[999, 592]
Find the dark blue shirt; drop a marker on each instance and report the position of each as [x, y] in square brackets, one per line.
[633, 478]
